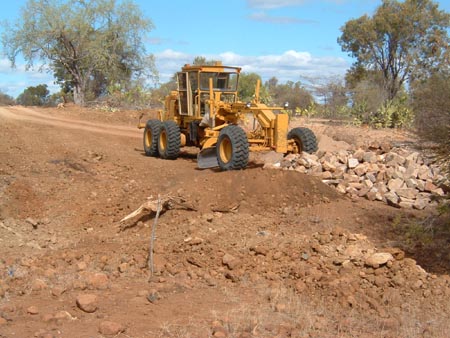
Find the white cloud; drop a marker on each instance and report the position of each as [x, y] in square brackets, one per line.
[13, 81]
[270, 4]
[287, 66]
[264, 17]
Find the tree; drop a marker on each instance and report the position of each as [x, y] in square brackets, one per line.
[247, 87]
[82, 41]
[291, 92]
[201, 61]
[402, 40]
[34, 96]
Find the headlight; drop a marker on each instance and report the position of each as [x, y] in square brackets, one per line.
[286, 105]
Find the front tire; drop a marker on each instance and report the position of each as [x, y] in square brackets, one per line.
[305, 139]
[232, 148]
[151, 136]
[169, 140]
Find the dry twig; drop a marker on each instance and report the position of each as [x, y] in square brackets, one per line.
[152, 238]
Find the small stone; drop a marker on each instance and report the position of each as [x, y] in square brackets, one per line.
[280, 307]
[209, 217]
[33, 222]
[231, 261]
[2, 321]
[153, 296]
[87, 302]
[123, 267]
[33, 310]
[63, 315]
[81, 266]
[110, 328]
[260, 250]
[99, 281]
[38, 285]
[57, 291]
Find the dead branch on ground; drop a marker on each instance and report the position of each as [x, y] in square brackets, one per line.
[150, 207]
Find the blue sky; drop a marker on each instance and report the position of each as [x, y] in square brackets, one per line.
[289, 39]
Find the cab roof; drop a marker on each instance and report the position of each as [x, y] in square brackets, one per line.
[217, 67]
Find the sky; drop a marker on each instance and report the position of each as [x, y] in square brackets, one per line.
[289, 39]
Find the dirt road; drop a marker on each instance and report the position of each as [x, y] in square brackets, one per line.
[258, 253]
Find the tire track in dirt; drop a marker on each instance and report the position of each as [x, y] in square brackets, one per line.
[29, 115]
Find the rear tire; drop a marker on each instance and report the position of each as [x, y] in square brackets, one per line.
[232, 148]
[169, 140]
[305, 139]
[151, 136]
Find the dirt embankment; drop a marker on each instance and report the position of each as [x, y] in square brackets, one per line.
[261, 253]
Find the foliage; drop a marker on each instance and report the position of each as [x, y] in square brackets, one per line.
[431, 102]
[307, 112]
[247, 86]
[202, 61]
[292, 92]
[391, 114]
[87, 44]
[401, 41]
[6, 100]
[135, 96]
[34, 96]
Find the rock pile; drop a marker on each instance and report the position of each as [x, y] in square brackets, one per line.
[395, 176]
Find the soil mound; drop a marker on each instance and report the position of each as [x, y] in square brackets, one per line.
[253, 190]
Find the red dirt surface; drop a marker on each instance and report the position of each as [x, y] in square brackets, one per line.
[265, 253]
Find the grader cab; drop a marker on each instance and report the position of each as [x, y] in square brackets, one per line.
[205, 112]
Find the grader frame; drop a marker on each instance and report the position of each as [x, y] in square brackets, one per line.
[205, 112]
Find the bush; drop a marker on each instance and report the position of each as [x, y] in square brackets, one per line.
[391, 114]
[34, 96]
[6, 100]
[431, 101]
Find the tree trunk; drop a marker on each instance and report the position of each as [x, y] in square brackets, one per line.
[78, 95]
[79, 87]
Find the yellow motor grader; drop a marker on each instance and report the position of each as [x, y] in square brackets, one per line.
[205, 112]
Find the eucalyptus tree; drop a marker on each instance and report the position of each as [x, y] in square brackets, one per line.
[81, 40]
[401, 41]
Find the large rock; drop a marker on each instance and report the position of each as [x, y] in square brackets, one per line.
[378, 259]
[406, 202]
[352, 162]
[395, 184]
[393, 159]
[370, 157]
[360, 169]
[409, 193]
[328, 166]
[421, 203]
[392, 199]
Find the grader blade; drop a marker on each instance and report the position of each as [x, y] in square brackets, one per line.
[207, 158]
